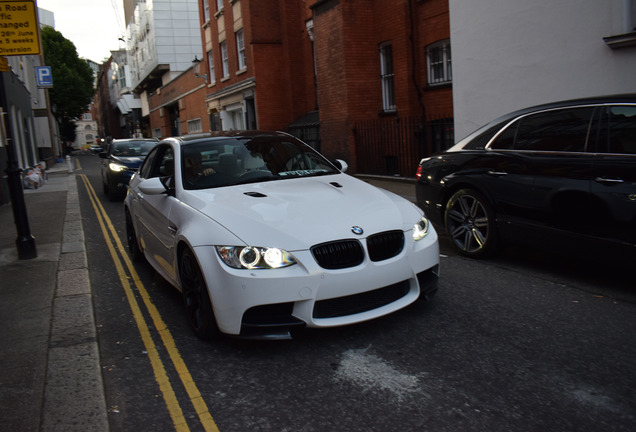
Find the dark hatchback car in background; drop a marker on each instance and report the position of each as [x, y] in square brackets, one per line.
[120, 160]
[566, 169]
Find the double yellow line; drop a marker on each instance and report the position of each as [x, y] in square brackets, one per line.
[172, 403]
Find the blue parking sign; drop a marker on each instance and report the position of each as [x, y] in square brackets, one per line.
[44, 76]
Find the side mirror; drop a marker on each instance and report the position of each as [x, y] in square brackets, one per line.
[152, 186]
[341, 165]
[103, 154]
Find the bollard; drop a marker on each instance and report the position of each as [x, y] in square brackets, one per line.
[69, 164]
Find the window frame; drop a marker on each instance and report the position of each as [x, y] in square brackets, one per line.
[387, 77]
[225, 59]
[441, 64]
[240, 49]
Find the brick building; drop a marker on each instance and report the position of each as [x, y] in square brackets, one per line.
[366, 81]
[178, 108]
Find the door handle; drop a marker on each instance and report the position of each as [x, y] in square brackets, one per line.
[497, 173]
[172, 228]
[608, 181]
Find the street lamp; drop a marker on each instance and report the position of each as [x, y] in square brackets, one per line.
[196, 65]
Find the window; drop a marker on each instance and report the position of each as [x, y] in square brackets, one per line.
[211, 71]
[562, 130]
[387, 77]
[240, 47]
[224, 59]
[194, 126]
[618, 134]
[219, 5]
[206, 10]
[87, 117]
[438, 59]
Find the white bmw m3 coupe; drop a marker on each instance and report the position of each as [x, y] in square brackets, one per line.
[262, 234]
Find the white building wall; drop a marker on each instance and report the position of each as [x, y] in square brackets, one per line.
[164, 32]
[511, 54]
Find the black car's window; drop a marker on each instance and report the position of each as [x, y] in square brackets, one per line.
[618, 133]
[130, 148]
[562, 130]
[226, 162]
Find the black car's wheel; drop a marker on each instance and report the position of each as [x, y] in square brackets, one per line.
[133, 245]
[196, 298]
[470, 223]
[114, 194]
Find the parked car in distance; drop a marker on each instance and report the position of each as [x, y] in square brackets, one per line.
[121, 159]
[564, 171]
[262, 234]
[96, 148]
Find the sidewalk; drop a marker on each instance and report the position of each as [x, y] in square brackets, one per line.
[50, 376]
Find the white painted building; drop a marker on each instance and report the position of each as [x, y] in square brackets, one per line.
[163, 38]
[511, 54]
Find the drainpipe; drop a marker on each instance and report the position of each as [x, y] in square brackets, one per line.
[628, 26]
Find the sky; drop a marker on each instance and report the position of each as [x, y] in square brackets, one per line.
[93, 26]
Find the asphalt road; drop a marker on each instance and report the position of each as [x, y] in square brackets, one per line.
[533, 340]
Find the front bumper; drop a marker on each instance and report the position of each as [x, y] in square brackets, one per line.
[266, 303]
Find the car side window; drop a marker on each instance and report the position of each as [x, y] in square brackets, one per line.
[618, 131]
[562, 130]
[145, 168]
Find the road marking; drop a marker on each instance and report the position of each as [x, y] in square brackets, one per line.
[161, 376]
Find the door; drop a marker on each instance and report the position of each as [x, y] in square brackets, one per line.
[545, 167]
[153, 215]
[614, 181]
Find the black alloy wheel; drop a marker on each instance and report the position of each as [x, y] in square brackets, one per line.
[196, 298]
[131, 237]
[470, 223]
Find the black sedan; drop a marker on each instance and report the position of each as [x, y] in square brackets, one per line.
[566, 169]
[121, 159]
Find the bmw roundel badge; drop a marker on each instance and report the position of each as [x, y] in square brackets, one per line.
[357, 230]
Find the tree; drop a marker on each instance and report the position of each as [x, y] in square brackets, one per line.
[72, 89]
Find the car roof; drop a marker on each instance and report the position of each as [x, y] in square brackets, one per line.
[118, 140]
[595, 100]
[244, 134]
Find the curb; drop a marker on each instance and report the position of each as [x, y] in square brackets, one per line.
[74, 398]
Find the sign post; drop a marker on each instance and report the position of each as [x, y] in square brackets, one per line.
[19, 35]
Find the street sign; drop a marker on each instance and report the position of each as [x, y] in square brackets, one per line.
[44, 76]
[18, 28]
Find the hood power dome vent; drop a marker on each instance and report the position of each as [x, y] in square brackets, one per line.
[255, 194]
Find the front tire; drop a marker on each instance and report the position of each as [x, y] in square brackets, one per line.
[133, 245]
[470, 223]
[196, 298]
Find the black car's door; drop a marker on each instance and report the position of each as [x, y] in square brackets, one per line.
[549, 149]
[614, 181]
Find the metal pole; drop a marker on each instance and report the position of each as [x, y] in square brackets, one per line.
[25, 242]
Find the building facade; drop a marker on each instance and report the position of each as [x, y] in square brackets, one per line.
[521, 54]
[346, 76]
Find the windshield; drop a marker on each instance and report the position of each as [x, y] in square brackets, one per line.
[233, 161]
[133, 148]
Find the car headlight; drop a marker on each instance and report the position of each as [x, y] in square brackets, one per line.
[116, 167]
[249, 257]
[420, 229]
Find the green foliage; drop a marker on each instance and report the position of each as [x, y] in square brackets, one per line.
[72, 79]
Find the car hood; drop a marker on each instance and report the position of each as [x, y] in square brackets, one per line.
[295, 214]
[130, 162]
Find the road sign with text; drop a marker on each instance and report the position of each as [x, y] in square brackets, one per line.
[18, 28]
